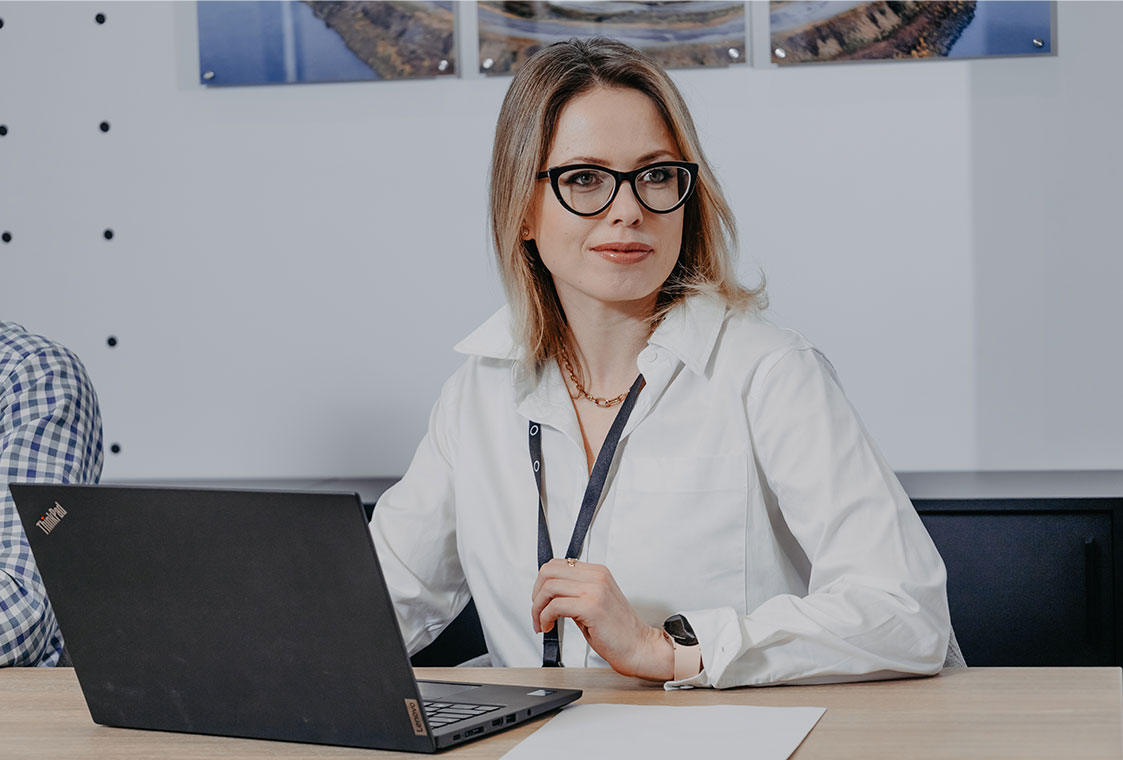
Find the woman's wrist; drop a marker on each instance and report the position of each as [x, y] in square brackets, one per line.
[660, 661]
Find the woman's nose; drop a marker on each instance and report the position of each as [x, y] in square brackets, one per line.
[625, 207]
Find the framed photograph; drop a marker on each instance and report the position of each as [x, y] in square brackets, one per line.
[676, 34]
[246, 43]
[816, 32]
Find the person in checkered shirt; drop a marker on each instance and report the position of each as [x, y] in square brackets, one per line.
[50, 432]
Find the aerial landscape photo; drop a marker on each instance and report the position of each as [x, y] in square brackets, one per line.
[285, 42]
[804, 32]
[676, 34]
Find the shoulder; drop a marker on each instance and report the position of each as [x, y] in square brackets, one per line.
[748, 329]
[17, 344]
[46, 395]
[21, 350]
[779, 373]
[480, 384]
[751, 347]
[43, 374]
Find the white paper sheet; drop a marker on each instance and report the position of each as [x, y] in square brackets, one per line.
[655, 732]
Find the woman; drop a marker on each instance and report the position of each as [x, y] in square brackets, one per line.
[707, 508]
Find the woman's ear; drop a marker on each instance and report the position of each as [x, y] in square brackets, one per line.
[527, 230]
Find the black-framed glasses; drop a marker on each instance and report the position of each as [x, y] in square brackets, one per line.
[588, 189]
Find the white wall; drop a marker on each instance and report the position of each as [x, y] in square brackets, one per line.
[292, 264]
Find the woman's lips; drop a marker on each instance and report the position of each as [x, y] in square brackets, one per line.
[623, 253]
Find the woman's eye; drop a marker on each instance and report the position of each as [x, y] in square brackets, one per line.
[655, 176]
[586, 180]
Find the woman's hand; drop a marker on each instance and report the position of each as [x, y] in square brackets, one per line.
[588, 593]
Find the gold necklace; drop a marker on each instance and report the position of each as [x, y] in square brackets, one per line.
[604, 403]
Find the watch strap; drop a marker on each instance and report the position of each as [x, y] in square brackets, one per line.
[688, 659]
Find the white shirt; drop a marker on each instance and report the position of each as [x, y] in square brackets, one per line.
[745, 494]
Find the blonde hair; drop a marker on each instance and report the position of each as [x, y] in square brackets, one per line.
[527, 122]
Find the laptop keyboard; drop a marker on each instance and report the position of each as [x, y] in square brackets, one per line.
[446, 713]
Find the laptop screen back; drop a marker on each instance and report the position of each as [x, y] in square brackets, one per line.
[225, 612]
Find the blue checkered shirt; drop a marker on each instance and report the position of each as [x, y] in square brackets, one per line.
[50, 431]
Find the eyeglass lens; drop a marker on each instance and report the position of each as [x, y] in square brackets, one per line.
[588, 190]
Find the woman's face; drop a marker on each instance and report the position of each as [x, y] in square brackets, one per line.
[623, 255]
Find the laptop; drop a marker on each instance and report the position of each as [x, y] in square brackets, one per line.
[245, 613]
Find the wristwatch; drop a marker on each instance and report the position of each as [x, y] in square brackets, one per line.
[688, 654]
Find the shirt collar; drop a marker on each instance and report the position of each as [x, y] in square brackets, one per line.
[689, 332]
[494, 339]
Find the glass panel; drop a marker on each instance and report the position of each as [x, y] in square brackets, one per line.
[803, 31]
[662, 187]
[245, 43]
[681, 34]
[586, 190]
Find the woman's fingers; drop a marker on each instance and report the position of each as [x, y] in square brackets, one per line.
[590, 590]
[559, 568]
[548, 590]
[588, 594]
[560, 606]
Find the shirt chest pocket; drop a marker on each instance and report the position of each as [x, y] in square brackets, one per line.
[677, 535]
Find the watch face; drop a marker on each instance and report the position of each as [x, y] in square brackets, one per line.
[678, 628]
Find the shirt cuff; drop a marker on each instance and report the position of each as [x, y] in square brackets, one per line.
[719, 635]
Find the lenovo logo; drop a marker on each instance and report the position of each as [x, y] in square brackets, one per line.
[53, 517]
[415, 717]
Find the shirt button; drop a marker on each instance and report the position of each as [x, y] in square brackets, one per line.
[651, 357]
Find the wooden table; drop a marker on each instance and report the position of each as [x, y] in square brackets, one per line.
[1021, 713]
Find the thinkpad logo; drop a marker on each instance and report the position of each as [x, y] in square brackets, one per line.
[53, 517]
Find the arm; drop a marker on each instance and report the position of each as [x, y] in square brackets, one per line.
[50, 431]
[414, 531]
[876, 605]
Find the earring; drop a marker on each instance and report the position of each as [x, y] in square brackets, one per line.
[526, 233]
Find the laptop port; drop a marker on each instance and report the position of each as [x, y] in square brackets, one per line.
[510, 718]
[473, 731]
[497, 722]
[456, 737]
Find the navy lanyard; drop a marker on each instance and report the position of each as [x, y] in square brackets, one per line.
[551, 644]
